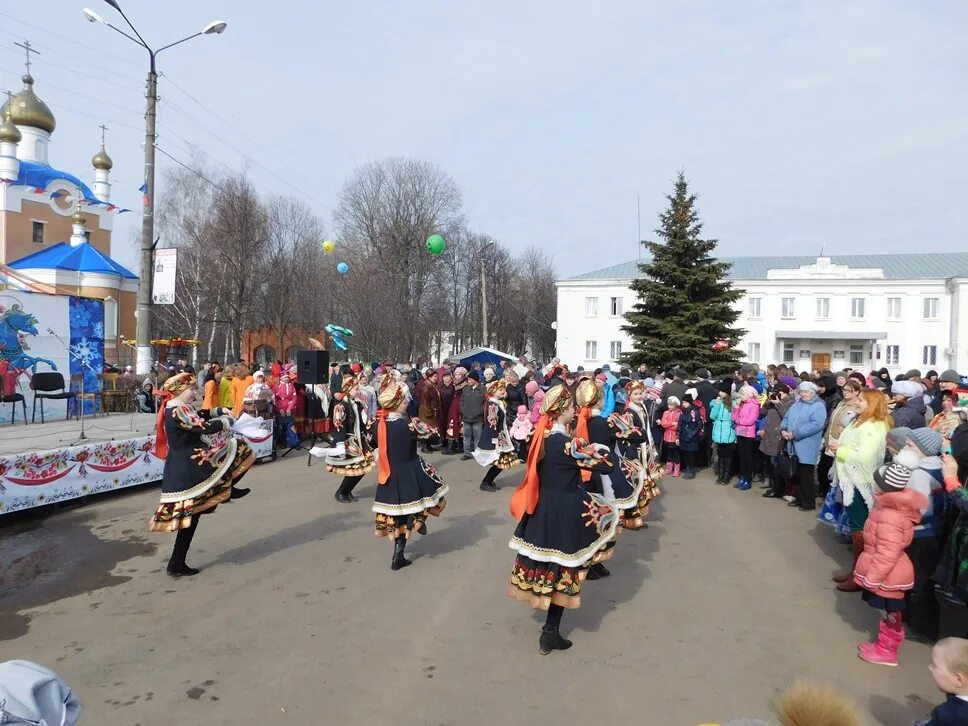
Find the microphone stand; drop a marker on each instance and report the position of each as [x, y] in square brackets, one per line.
[84, 364]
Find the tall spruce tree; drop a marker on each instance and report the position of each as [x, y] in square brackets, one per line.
[685, 299]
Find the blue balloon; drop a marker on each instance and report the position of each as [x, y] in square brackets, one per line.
[338, 342]
[342, 268]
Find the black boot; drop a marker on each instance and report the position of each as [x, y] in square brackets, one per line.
[598, 571]
[399, 561]
[459, 446]
[449, 449]
[238, 493]
[551, 640]
[183, 540]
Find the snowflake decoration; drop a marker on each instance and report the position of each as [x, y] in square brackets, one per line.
[84, 350]
[98, 331]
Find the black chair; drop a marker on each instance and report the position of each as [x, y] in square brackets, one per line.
[12, 399]
[43, 384]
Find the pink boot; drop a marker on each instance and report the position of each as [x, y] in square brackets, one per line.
[676, 470]
[884, 650]
[669, 467]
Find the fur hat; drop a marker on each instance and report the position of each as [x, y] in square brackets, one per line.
[927, 440]
[950, 376]
[474, 376]
[908, 389]
[892, 477]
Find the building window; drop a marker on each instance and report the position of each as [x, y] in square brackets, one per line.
[856, 354]
[591, 350]
[893, 353]
[615, 349]
[787, 307]
[823, 308]
[788, 352]
[930, 355]
[591, 307]
[930, 308]
[857, 308]
[110, 318]
[756, 308]
[754, 350]
[616, 307]
[894, 308]
[38, 233]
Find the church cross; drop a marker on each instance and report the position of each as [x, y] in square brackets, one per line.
[104, 130]
[28, 49]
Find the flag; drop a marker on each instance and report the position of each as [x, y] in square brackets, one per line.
[38, 190]
[112, 207]
[144, 192]
[122, 211]
[58, 194]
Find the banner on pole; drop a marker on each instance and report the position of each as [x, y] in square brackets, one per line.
[163, 277]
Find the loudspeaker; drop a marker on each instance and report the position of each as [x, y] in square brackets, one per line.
[312, 366]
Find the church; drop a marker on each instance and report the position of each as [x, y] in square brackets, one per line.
[55, 229]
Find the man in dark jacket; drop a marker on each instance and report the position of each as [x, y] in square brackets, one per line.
[909, 409]
[676, 387]
[472, 412]
[707, 393]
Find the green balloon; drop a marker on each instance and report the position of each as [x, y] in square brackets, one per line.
[436, 244]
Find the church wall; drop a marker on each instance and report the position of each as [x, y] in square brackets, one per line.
[18, 231]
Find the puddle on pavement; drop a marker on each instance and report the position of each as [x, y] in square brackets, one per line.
[51, 558]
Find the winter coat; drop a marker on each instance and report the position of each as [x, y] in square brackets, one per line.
[771, 442]
[884, 568]
[952, 572]
[707, 393]
[536, 407]
[521, 428]
[861, 451]
[285, 395]
[690, 428]
[912, 414]
[670, 425]
[744, 416]
[806, 421]
[472, 404]
[724, 432]
[838, 421]
[675, 388]
[517, 396]
[832, 396]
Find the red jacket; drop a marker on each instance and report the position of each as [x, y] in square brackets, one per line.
[285, 394]
[670, 425]
[884, 568]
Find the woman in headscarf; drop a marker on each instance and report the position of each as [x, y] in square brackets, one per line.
[429, 412]
[495, 450]
[351, 456]
[446, 389]
[562, 527]
[454, 430]
[199, 474]
[638, 445]
[409, 489]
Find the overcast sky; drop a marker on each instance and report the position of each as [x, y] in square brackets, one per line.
[799, 124]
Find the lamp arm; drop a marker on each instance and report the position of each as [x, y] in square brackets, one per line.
[177, 42]
[134, 29]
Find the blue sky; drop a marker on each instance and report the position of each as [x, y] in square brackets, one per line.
[800, 125]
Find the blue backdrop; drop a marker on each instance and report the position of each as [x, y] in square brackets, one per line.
[87, 346]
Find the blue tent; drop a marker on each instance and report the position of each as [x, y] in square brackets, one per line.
[479, 355]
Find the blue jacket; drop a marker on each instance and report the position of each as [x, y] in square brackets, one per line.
[690, 428]
[806, 422]
[724, 431]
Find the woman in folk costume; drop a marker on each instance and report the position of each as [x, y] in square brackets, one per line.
[495, 450]
[622, 483]
[429, 411]
[637, 444]
[351, 455]
[562, 527]
[199, 475]
[454, 429]
[409, 489]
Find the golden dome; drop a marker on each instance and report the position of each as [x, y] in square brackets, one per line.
[28, 110]
[101, 160]
[79, 218]
[9, 133]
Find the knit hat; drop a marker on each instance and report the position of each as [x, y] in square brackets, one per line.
[531, 387]
[892, 477]
[259, 374]
[908, 389]
[950, 376]
[522, 409]
[807, 386]
[703, 373]
[474, 376]
[672, 402]
[927, 440]
[460, 371]
[898, 436]
[488, 372]
[790, 381]
[692, 393]
[913, 373]
[686, 398]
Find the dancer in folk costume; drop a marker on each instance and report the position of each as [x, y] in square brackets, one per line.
[409, 488]
[199, 473]
[623, 484]
[562, 527]
[453, 431]
[495, 450]
[638, 445]
[351, 455]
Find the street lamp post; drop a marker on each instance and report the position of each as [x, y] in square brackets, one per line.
[143, 336]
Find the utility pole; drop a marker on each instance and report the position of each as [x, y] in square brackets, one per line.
[147, 228]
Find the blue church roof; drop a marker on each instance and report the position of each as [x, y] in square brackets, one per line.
[33, 174]
[82, 258]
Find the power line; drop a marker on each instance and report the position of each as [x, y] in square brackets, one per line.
[187, 167]
[84, 95]
[79, 72]
[69, 40]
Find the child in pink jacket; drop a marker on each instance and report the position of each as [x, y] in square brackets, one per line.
[536, 406]
[670, 436]
[744, 417]
[884, 570]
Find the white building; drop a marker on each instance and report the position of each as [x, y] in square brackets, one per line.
[863, 311]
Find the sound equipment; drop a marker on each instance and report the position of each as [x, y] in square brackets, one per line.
[312, 366]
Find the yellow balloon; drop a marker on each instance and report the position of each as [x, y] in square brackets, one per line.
[329, 246]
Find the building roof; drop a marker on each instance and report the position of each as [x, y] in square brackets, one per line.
[79, 258]
[925, 266]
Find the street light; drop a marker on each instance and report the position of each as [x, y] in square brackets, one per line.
[484, 291]
[143, 363]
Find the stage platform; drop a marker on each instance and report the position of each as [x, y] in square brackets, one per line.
[42, 464]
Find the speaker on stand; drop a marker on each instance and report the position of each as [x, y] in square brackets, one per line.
[312, 368]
